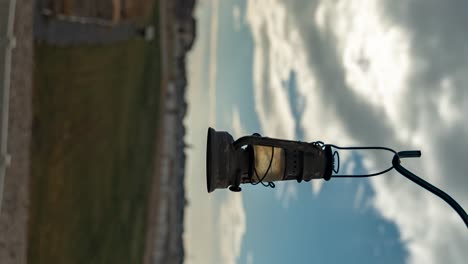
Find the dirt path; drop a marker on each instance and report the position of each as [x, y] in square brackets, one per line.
[14, 215]
[155, 204]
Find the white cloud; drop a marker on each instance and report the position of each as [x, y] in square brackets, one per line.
[358, 196]
[213, 65]
[231, 220]
[376, 57]
[366, 82]
[200, 213]
[317, 186]
[237, 128]
[279, 50]
[446, 103]
[286, 192]
[272, 66]
[250, 258]
[374, 54]
[236, 15]
[232, 225]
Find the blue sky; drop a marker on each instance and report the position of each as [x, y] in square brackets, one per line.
[346, 72]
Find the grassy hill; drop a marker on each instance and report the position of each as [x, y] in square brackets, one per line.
[94, 128]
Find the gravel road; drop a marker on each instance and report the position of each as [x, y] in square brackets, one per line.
[13, 218]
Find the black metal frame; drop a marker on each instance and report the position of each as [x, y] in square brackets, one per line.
[408, 174]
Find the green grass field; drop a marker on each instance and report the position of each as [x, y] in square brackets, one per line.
[94, 131]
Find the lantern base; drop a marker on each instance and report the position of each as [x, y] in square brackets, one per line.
[209, 162]
[224, 164]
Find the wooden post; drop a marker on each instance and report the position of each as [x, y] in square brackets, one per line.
[116, 11]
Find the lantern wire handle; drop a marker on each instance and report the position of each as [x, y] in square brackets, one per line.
[336, 170]
[269, 184]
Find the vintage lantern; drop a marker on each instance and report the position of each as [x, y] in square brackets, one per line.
[255, 159]
[262, 160]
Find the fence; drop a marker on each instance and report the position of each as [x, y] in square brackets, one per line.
[99, 12]
[7, 43]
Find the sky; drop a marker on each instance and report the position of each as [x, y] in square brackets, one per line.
[351, 73]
